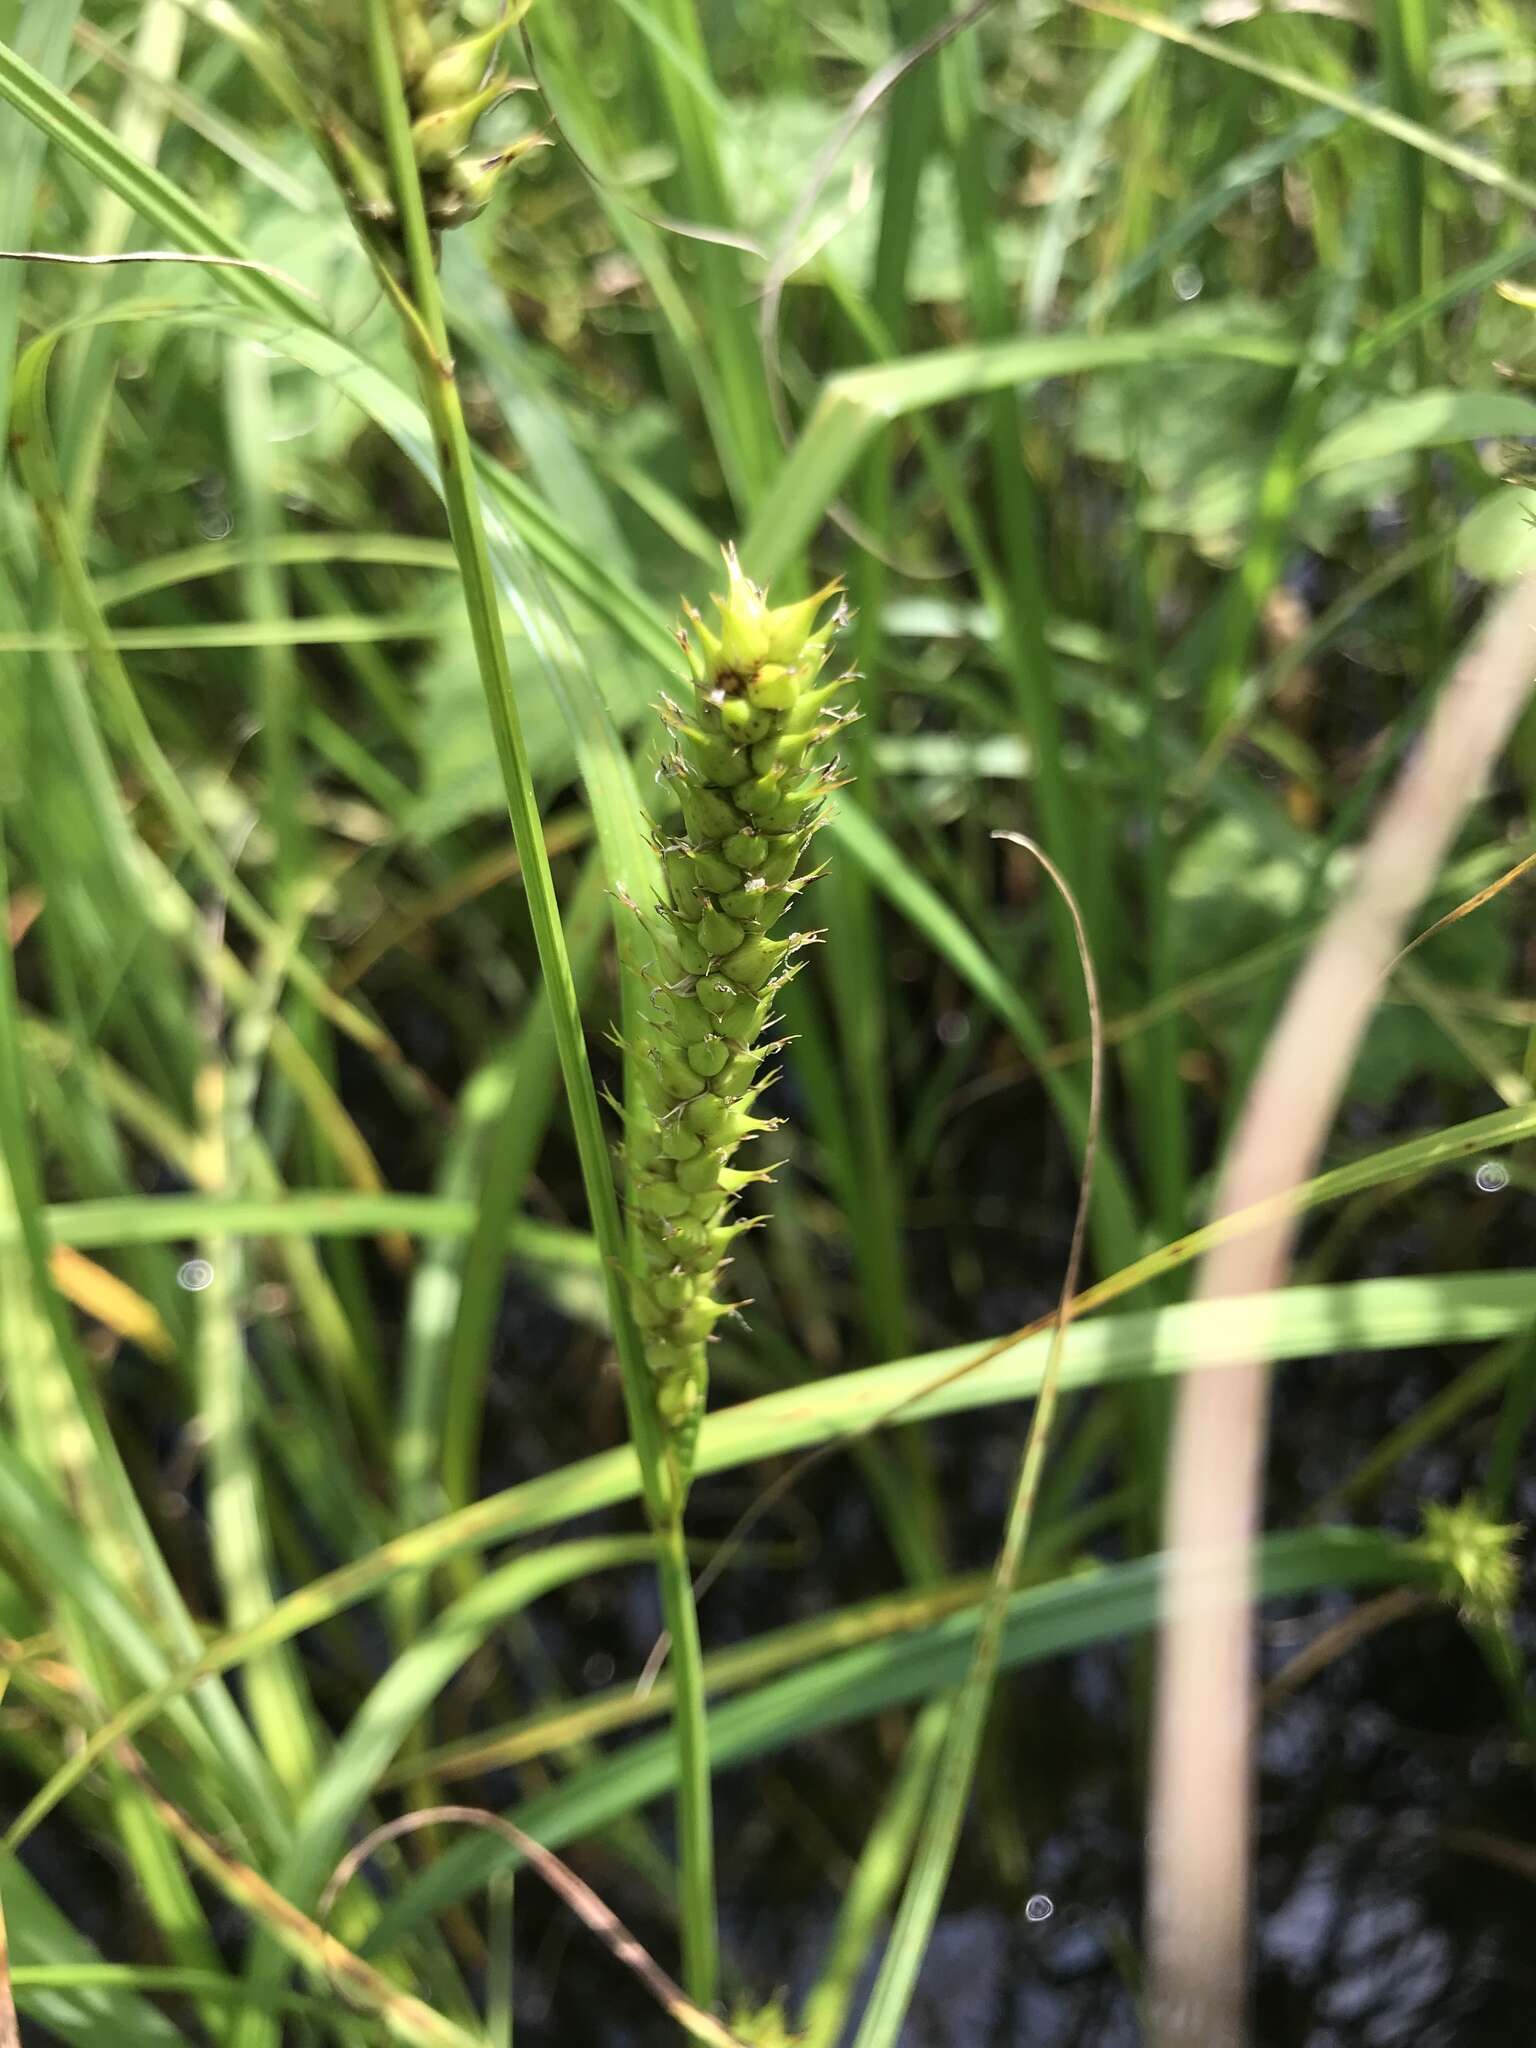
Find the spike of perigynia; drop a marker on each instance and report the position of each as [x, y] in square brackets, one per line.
[749, 785]
[451, 80]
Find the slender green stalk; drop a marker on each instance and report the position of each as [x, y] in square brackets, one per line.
[748, 447]
[248, 398]
[881, 1863]
[891, 1998]
[427, 333]
[33, 444]
[239, 1535]
[444, 408]
[1514, 1420]
[690, 1720]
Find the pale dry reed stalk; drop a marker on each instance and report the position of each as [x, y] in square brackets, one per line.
[1202, 1776]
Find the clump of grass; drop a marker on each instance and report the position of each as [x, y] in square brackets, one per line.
[752, 786]
[1177, 440]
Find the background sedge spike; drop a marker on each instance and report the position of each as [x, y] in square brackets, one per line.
[751, 787]
[450, 80]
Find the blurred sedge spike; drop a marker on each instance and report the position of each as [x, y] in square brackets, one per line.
[450, 81]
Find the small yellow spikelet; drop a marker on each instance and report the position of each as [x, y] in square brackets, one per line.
[764, 2026]
[1475, 1556]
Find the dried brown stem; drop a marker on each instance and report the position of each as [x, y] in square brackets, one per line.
[1202, 1750]
[563, 1881]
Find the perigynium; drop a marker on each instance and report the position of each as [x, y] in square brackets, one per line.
[450, 81]
[751, 785]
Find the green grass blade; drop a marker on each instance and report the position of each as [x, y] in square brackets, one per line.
[61, 1983]
[856, 833]
[1110, 1603]
[397, 1703]
[855, 405]
[882, 1861]
[1300, 1322]
[1385, 120]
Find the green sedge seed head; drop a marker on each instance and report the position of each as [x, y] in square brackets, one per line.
[679, 1143]
[719, 760]
[654, 1091]
[795, 811]
[678, 1396]
[708, 642]
[742, 725]
[719, 933]
[739, 1127]
[760, 797]
[743, 1021]
[463, 190]
[754, 635]
[414, 41]
[443, 133]
[744, 777]
[714, 873]
[642, 1140]
[773, 688]
[459, 70]
[811, 703]
[780, 857]
[698, 668]
[708, 813]
[682, 881]
[656, 1248]
[449, 85]
[726, 1234]
[692, 959]
[716, 996]
[360, 175]
[678, 1077]
[700, 1175]
[1474, 1556]
[705, 1115]
[737, 1075]
[698, 1320]
[747, 902]
[744, 850]
[744, 631]
[673, 1289]
[689, 1020]
[708, 1056]
[754, 964]
[789, 628]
